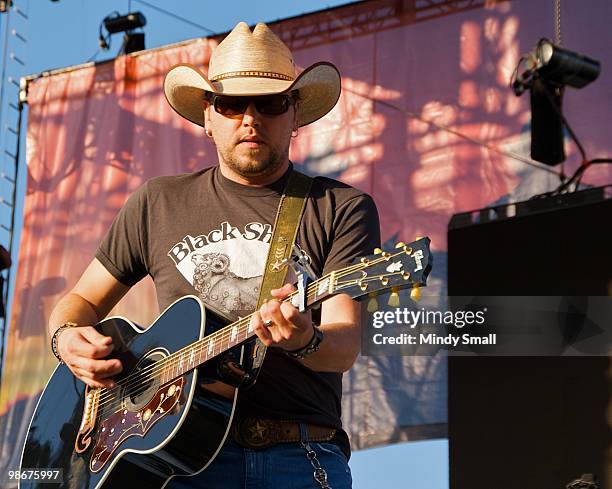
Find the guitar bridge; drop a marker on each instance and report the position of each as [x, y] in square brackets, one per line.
[88, 421]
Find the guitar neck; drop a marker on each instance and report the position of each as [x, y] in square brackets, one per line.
[236, 333]
[406, 266]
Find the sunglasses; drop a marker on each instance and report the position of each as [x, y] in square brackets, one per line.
[230, 106]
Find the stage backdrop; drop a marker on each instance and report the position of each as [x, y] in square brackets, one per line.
[426, 124]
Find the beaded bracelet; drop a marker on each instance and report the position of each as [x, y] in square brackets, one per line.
[55, 337]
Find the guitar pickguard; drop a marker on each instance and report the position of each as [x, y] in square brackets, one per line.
[125, 423]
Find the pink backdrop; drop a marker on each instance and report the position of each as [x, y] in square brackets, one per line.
[426, 124]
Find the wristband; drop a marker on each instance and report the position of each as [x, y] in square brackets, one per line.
[55, 337]
[310, 347]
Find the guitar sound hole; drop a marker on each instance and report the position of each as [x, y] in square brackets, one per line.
[140, 391]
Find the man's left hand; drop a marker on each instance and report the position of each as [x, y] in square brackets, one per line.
[280, 323]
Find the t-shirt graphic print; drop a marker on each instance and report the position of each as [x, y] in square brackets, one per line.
[225, 265]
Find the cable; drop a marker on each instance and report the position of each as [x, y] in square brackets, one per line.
[93, 56]
[441, 127]
[576, 177]
[177, 17]
[583, 168]
[105, 43]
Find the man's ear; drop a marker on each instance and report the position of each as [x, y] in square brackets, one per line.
[206, 109]
[295, 116]
[207, 121]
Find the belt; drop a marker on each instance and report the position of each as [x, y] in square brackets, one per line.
[263, 433]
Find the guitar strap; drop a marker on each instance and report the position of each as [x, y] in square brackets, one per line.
[286, 224]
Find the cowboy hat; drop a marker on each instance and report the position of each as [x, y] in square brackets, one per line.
[256, 63]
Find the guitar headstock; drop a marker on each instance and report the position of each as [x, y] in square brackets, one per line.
[406, 266]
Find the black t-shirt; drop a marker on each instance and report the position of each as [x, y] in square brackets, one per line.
[205, 234]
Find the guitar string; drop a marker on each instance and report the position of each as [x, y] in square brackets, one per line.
[115, 406]
[222, 335]
[226, 331]
[198, 349]
[165, 365]
[218, 337]
[141, 388]
[201, 345]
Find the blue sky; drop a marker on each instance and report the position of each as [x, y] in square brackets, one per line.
[65, 33]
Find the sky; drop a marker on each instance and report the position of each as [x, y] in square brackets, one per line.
[51, 35]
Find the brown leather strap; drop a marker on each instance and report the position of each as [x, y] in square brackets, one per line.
[286, 225]
[257, 433]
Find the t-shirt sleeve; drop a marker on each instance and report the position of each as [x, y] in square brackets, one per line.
[356, 232]
[123, 249]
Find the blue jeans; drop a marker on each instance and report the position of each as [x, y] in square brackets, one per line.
[283, 466]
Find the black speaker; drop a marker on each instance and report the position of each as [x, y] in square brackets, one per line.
[530, 422]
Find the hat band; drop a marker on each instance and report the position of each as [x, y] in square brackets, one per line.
[258, 74]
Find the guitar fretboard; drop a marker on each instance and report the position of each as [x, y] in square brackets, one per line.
[233, 334]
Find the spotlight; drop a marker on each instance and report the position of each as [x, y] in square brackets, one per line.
[556, 66]
[549, 69]
[565, 67]
[124, 23]
[114, 23]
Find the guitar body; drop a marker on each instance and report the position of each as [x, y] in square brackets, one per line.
[159, 422]
[147, 432]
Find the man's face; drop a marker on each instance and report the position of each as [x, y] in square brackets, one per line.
[251, 144]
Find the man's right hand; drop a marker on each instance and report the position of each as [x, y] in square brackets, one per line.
[83, 350]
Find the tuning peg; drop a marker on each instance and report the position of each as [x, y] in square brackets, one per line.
[401, 244]
[365, 261]
[372, 303]
[377, 251]
[394, 300]
[415, 293]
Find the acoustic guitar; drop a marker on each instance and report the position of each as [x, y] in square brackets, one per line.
[158, 422]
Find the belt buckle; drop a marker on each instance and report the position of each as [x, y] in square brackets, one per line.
[258, 433]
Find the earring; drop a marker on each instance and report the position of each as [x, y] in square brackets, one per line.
[209, 133]
[294, 133]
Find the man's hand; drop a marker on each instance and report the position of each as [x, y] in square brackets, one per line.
[281, 324]
[82, 349]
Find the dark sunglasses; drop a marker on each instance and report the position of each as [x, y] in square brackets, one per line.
[265, 104]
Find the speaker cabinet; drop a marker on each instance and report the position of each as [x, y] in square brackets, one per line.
[531, 422]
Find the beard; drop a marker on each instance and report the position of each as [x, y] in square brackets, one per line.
[251, 162]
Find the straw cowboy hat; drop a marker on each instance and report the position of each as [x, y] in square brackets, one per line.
[253, 63]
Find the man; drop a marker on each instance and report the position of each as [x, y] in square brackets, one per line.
[210, 232]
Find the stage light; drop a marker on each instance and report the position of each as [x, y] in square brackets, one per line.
[549, 69]
[555, 65]
[124, 23]
[114, 23]
[564, 67]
